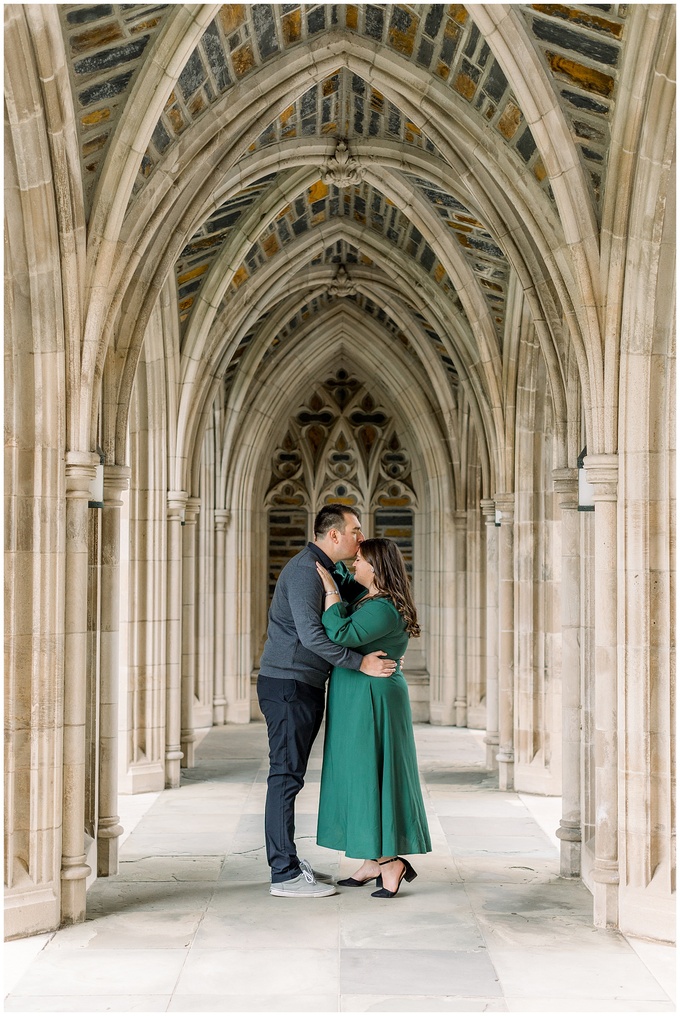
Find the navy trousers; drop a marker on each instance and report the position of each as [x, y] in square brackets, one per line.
[293, 712]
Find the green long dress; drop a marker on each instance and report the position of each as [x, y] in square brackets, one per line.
[370, 804]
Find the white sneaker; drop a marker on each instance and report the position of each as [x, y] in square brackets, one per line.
[303, 885]
[318, 876]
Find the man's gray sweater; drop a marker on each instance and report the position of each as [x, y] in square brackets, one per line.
[297, 645]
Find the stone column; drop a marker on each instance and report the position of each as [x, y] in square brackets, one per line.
[505, 505]
[491, 738]
[602, 472]
[80, 472]
[188, 737]
[177, 500]
[222, 517]
[116, 480]
[569, 831]
[460, 704]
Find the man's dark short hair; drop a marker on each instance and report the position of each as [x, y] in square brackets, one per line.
[332, 516]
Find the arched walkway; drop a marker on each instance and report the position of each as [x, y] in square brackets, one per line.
[417, 259]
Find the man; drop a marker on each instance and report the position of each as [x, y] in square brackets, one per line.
[297, 659]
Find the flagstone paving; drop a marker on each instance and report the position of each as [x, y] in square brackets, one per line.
[188, 924]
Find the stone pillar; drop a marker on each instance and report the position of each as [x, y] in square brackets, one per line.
[80, 472]
[177, 500]
[505, 505]
[460, 704]
[440, 596]
[569, 831]
[491, 738]
[238, 655]
[219, 694]
[602, 472]
[116, 480]
[188, 737]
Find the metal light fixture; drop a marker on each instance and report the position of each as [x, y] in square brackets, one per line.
[97, 485]
[586, 491]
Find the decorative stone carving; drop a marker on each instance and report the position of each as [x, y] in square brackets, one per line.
[342, 169]
[342, 284]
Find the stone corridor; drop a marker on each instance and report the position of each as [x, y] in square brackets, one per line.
[417, 259]
[188, 926]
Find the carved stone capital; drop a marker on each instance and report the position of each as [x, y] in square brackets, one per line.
[116, 480]
[602, 471]
[192, 511]
[505, 505]
[222, 520]
[488, 506]
[342, 169]
[81, 468]
[177, 500]
[565, 482]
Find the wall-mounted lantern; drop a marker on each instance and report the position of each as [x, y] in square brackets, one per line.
[586, 491]
[97, 485]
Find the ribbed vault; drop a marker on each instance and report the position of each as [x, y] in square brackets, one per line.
[220, 215]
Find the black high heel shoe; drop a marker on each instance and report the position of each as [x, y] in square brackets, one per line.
[409, 873]
[353, 882]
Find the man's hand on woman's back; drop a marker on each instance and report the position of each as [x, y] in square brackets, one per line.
[377, 665]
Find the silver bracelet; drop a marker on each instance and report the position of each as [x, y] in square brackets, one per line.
[334, 592]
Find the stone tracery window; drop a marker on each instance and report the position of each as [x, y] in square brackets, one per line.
[340, 446]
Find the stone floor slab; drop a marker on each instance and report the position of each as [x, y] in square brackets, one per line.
[417, 972]
[254, 1003]
[88, 1003]
[419, 1003]
[505, 869]
[100, 971]
[245, 866]
[468, 806]
[246, 916]
[576, 972]
[155, 929]
[238, 971]
[544, 1005]
[169, 868]
[429, 929]
[660, 959]
[194, 805]
[109, 897]
[429, 916]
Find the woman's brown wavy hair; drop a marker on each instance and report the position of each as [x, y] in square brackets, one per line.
[391, 579]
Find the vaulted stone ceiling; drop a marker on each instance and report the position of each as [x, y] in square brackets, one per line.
[391, 214]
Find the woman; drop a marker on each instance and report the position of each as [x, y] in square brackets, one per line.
[370, 804]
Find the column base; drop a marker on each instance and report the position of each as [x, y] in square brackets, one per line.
[570, 859]
[189, 753]
[107, 851]
[33, 911]
[219, 713]
[461, 714]
[73, 894]
[172, 769]
[491, 753]
[605, 902]
[506, 772]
